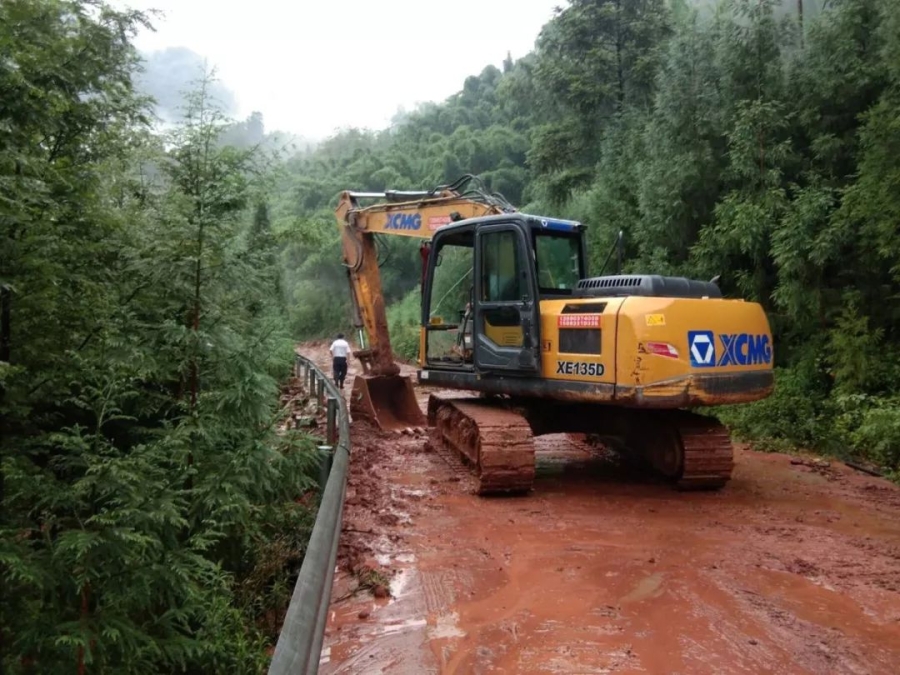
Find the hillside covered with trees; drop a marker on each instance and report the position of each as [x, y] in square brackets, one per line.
[152, 284]
[743, 139]
[150, 519]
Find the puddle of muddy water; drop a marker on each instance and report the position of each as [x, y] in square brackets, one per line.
[386, 559]
[447, 626]
[648, 587]
[400, 583]
[398, 627]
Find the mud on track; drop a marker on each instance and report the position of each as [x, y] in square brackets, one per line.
[789, 569]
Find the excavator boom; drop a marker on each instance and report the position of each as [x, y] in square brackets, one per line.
[381, 394]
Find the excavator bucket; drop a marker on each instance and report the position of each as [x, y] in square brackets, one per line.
[389, 401]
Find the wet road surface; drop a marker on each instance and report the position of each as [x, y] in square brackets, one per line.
[789, 569]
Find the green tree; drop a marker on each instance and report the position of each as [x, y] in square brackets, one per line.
[594, 59]
[146, 488]
[759, 153]
[680, 180]
[729, 138]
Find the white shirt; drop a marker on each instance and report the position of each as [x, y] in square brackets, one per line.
[340, 348]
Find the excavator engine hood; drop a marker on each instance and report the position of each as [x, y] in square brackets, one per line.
[645, 285]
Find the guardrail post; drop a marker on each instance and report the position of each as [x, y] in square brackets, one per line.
[320, 393]
[312, 382]
[331, 422]
[326, 455]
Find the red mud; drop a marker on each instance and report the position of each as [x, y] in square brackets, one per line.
[788, 569]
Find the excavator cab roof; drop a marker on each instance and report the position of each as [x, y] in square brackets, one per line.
[532, 221]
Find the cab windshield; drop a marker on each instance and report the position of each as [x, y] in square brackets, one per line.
[558, 261]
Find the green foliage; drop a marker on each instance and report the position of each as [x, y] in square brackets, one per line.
[316, 289]
[723, 138]
[871, 425]
[595, 60]
[404, 319]
[148, 520]
[794, 416]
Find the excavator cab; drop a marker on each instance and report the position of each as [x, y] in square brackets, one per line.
[493, 271]
[483, 280]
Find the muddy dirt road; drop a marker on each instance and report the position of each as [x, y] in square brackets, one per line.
[789, 569]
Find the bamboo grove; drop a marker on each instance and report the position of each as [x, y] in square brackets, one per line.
[753, 139]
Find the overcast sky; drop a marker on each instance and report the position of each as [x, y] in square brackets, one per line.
[313, 66]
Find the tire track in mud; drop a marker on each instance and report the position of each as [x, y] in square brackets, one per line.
[788, 569]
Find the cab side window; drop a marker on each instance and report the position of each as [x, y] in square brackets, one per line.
[501, 280]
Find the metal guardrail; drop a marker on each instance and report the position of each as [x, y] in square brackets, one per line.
[299, 644]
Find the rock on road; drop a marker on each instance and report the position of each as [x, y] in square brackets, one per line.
[791, 568]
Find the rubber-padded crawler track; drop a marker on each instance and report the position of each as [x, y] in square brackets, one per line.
[497, 443]
[708, 452]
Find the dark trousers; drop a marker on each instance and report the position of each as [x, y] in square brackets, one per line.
[339, 366]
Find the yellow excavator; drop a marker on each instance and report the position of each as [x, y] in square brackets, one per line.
[511, 317]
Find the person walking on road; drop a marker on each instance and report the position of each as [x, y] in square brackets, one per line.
[340, 350]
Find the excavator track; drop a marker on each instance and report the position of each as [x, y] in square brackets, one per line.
[708, 452]
[693, 452]
[495, 442]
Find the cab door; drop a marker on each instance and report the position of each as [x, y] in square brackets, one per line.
[507, 327]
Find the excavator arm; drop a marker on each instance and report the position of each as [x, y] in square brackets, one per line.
[381, 394]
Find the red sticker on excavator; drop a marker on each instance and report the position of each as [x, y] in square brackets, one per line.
[434, 222]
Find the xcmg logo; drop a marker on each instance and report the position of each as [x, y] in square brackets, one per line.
[403, 221]
[737, 349]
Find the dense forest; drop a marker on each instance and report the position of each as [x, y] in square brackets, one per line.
[150, 515]
[152, 283]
